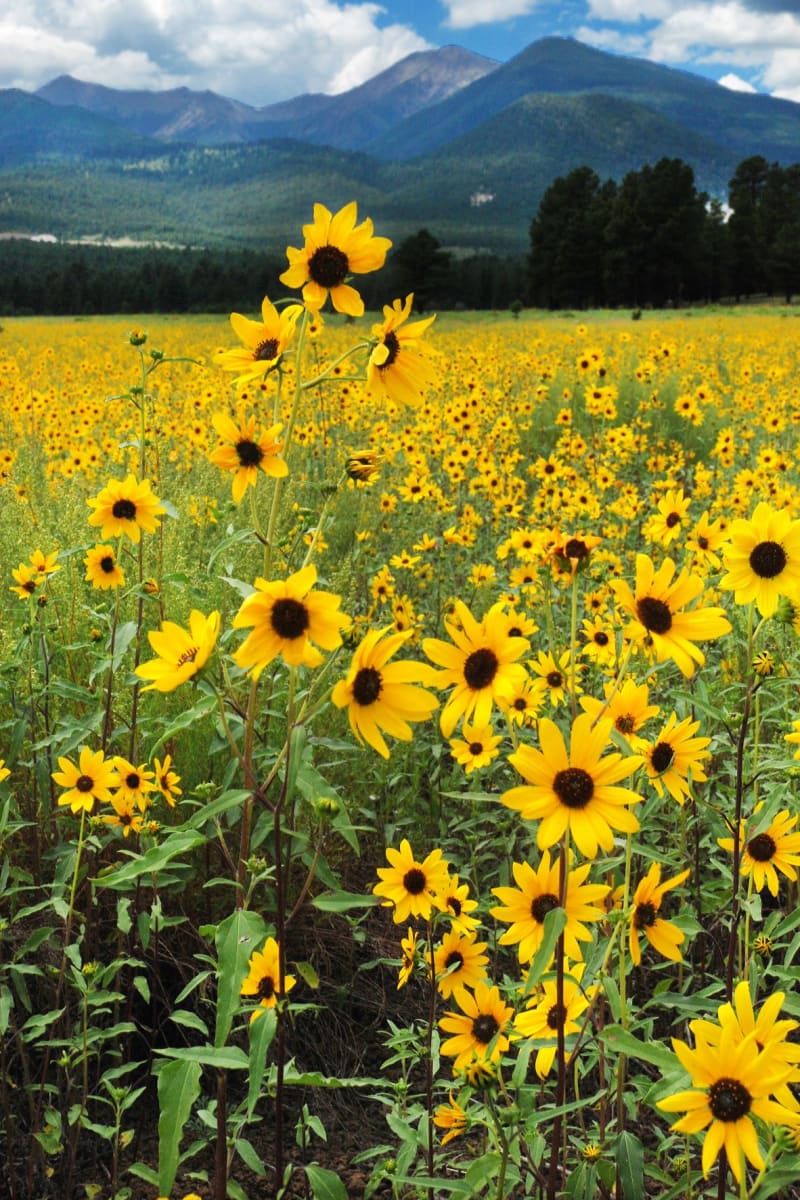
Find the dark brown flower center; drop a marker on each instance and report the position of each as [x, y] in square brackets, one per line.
[124, 510]
[266, 988]
[392, 344]
[107, 564]
[762, 847]
[702, 542]
[454, 904]
[599, 638]
[133, 780]
[454, 959]
[414, 881]
[542, 905]
[328, 266]
[625, 723]
[476, 748]
[644, 915]
[480, 668]
[729, 1100]
[289, 618]
[484, 1028]
[367, 686]
[267, 350]
[768, 559]
[554, 679]
[249, 454]
[662, 756]
[84, 783]
[519, 704]
[29, 586]
[673, 519]
[574, 787]
[556, 1016]
[654, 614]
[188, 656]
[576, 548]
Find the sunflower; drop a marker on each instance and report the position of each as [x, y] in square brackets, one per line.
[410, 885]
[288, 618]
[102, 569]
[706, 538]
[181, 653]
[482, 665]
[537, 894]
[768, 851]
[263, 342]
[451, 1117]
[459, 961]
[27, 581]
[732, 1079]
[554, 676]
[522, 705]
[763, 558]
[662, 935]
[380, 695]
[397, 369]
[334, 247]
[166, 780]
[572, 553]
[574, 790]
[408, 959]
[477, 748]
[264, 977]
[675, 753]
[124, 816]
[126, 506]
[246, 451]
[91, 780]
[657, 606]
[627, 708]
[544, 1015]
[455, 902]
[480, 1030]
[665, 526]
[4, 773]
[135, 783]
[44, 564]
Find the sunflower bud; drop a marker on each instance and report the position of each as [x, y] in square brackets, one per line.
[364, 466]
[137, 337]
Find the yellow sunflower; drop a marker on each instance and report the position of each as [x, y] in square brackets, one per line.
[459, 961]
[246, 451]
[662, 935]
[397, 368]
[264, 979]
[166, 780]
[451, 1117]
[480, 1030]
[481, 665]
[733, 1080]
[763, 558]
[544, 1016]
[126, 506]
[335, 247]
[776, 848]
[477, 748]
[380, 695]
[288, 619]
[92, 780]
[537, 894]
[410, 885]
[263, 342]
[102, 569]
[574, 790]
[675, 755]
[627, 707]
[659, 616]
[181, 652]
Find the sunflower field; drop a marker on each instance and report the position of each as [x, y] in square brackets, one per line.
[399, 750]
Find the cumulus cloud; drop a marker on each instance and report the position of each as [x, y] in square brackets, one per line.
[628, 11]
[735, 83]
[464, 14]
[258, 51]
[614, 39]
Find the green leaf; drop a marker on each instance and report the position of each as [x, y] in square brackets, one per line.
[339, 902]
[618, 1039]
[189, 717]
[189, 1020]
[247, 1153]
[236, 938]
[554, 925]
[152, 861]
[325, 1185]
[262, 1031]
[178, 1089]
[308, 974]
[630, 1165]
[220, 1057]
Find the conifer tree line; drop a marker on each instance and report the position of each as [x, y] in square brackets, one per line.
[650, 240]
[654, 240]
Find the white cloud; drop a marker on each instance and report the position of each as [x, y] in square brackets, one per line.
[724, 32]
[614, 39]
[258, 51]
[465, 14]
[628, 11]
[735, 83]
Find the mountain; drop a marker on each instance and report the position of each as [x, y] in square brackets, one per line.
[737, 121]
[348, 120]
[32, 129]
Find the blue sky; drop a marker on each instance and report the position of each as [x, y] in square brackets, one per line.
[261, 51]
